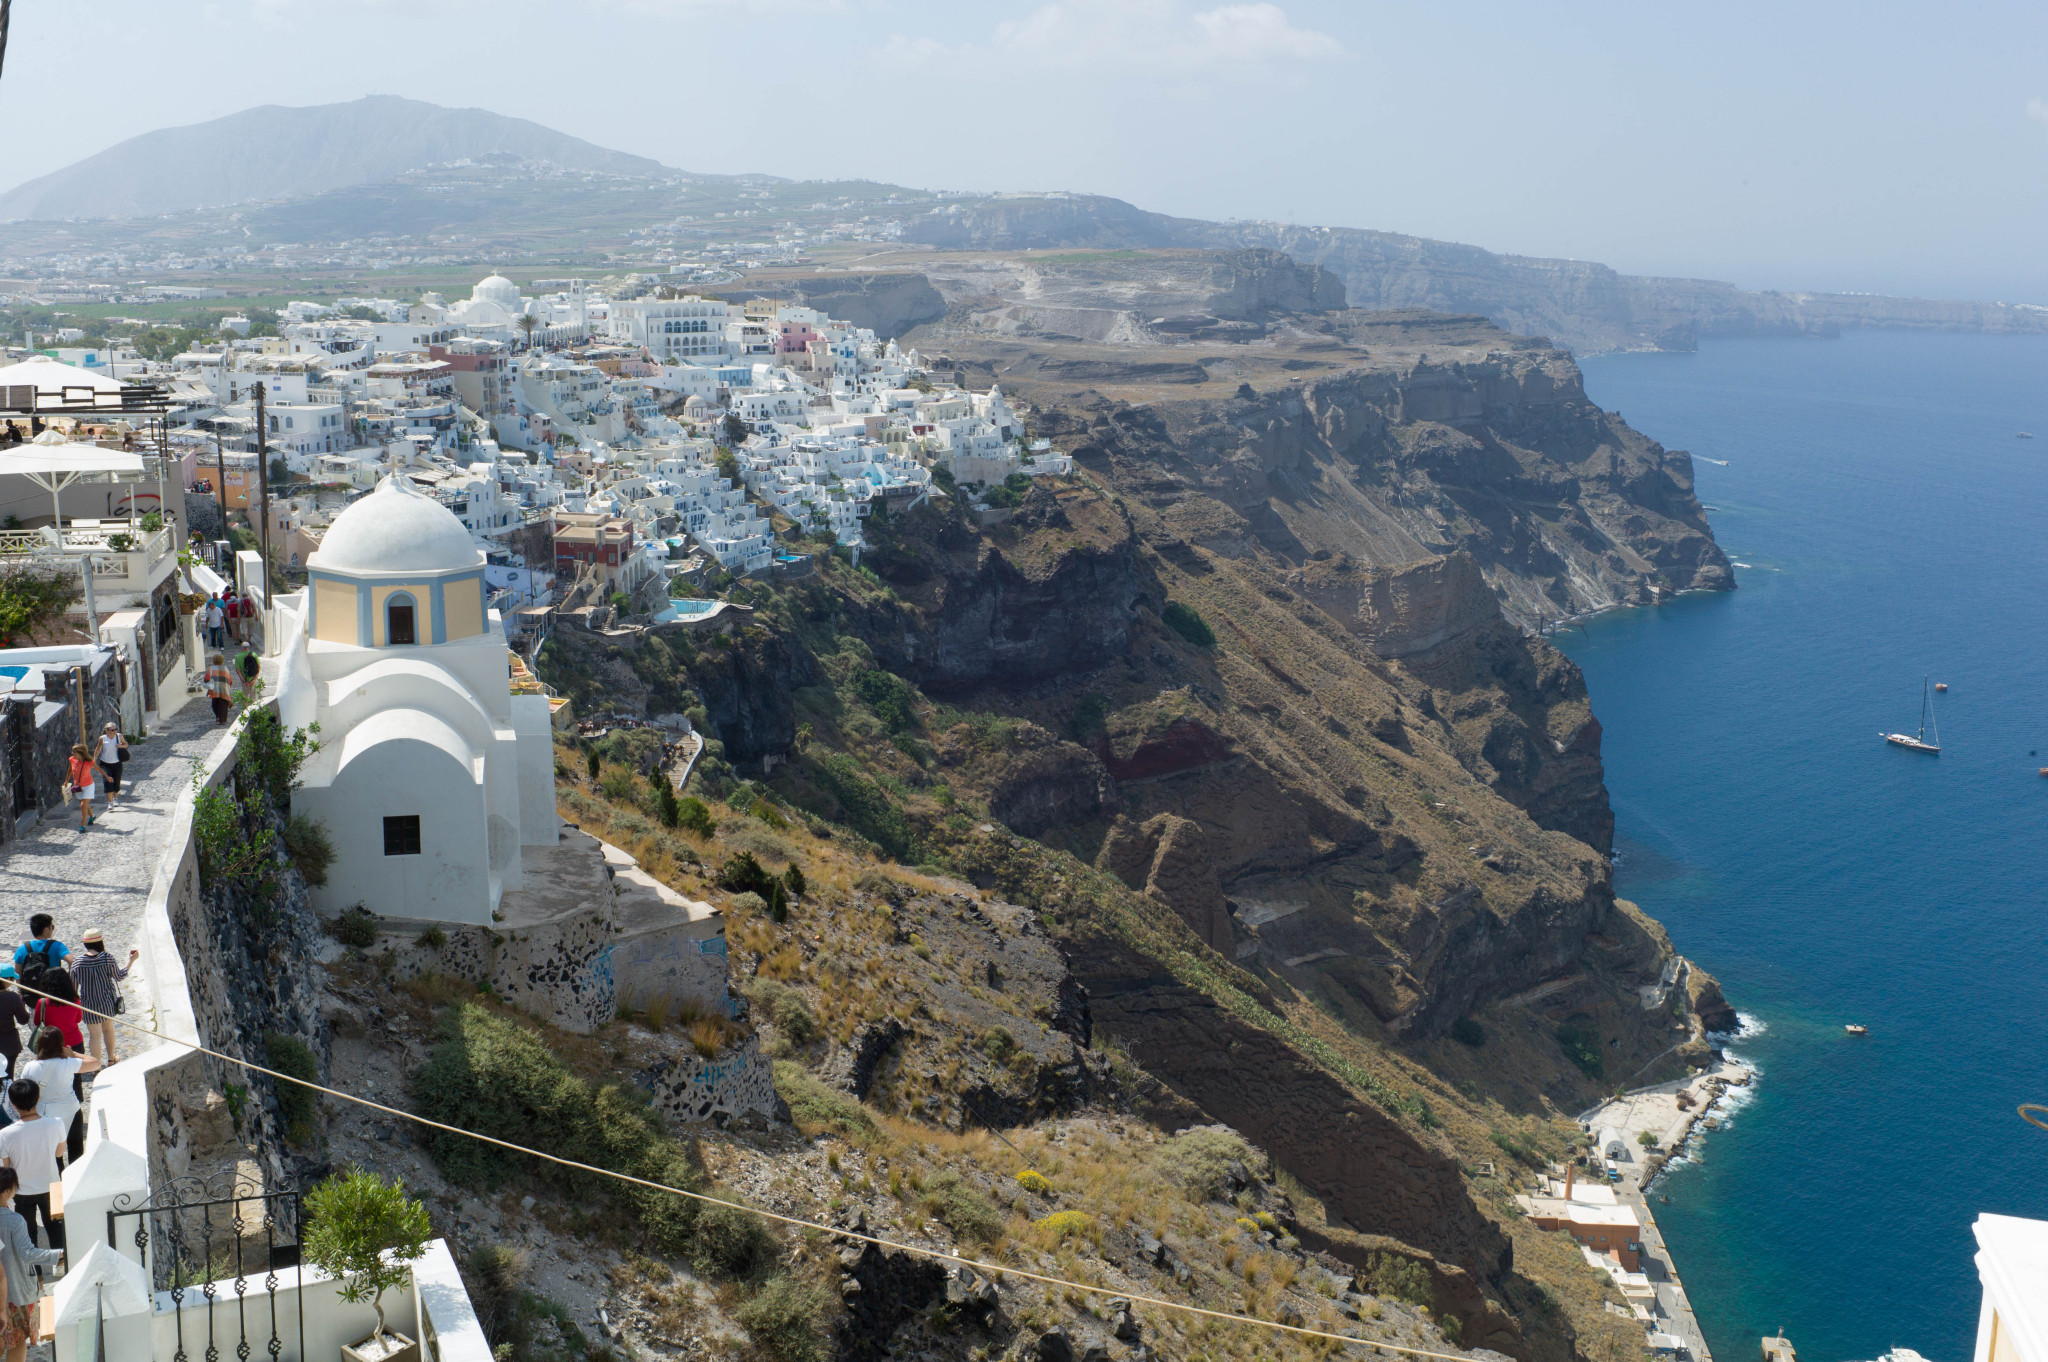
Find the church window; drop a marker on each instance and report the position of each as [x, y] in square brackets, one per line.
[402, 835]
[399, 624]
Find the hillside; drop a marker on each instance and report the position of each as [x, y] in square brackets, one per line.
[274, 152]
[1234, 721]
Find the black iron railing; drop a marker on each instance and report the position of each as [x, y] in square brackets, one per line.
[197, 1242]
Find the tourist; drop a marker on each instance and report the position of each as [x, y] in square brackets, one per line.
[29, 1147]
[42, 951]
[21, 1259]
[111, 755]
[214, 620]
[250, 666]
[84, 782]
[57, 1074]
[228, 602]
[59, 1010]
[13, 1016]
[220, 687]
[99, 990]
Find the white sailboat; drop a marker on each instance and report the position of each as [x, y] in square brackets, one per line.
[1918, 741]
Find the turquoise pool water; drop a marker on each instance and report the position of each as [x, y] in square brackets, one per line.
[685, 610]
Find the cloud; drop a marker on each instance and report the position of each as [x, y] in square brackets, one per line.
[1140, 35]
[2037, 109]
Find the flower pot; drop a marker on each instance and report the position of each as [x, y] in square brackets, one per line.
[389, 1346]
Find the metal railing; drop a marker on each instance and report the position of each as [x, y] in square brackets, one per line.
[151, 545]
[195, 1241]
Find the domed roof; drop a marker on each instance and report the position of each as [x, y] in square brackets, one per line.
[396, 528]
[497, 289]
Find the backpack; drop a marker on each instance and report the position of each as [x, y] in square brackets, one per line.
[35, 969]
[251, 668]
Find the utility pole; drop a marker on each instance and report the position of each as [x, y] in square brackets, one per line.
[220, 471]
[263, 479]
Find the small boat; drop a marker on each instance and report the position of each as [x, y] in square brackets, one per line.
[1918, 741]
[1855, 1030]
[2044, 770]
[2023, 434]
[1941, 686]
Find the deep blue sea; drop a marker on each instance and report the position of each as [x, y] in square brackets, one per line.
[1893, 527]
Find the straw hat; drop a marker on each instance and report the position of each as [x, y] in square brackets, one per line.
[95, 937]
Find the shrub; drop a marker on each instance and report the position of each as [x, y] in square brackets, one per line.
[793, 879]
[357, 926]
[787, 1009]
[495, 1276]
[814, 1107]
[1581, 1048]
[667, 807]
[592, 763]
[742, 874]
[1183, 620]
[1467, 1031]
[694, 815]
[732, 1243]
[1391, 1274]
[956, 1204]
[497, 1077]
[1648, 1139]
[1200, 1159]
[296, 1106]
[1063, 1223]
[1031, 1180]
[749, 902]
[889, 696]
[311, 850]
[433, 938]
[865, 806]
[786, 1319]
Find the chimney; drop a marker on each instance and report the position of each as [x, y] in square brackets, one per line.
[1570, 1173]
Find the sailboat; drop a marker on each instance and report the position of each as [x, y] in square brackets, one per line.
[1918, 742]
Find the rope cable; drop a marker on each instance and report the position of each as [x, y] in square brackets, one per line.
[994, 1270]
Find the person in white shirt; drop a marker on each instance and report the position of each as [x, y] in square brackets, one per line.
[55, 1073]
[29, 1147]
[110, 752]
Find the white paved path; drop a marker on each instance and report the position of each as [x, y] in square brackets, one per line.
[101, 878]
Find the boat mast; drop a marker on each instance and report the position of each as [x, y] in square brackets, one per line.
[1922, 734]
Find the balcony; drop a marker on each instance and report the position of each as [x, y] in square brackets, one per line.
[124, 556]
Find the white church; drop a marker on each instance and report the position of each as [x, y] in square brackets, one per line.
[431, 776]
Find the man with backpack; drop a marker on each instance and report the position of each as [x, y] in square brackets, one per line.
[248, 666]
[38, 955]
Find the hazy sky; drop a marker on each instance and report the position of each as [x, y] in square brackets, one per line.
[1882, 147]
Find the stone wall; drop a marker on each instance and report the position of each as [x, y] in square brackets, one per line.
[737, 1083]
[560, 972]
[247, 967]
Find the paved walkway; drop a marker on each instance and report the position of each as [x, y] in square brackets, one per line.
[101, 878]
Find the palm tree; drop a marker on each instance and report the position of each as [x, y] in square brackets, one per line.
[528, 323]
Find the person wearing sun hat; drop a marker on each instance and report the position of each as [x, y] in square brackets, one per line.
[99, 991]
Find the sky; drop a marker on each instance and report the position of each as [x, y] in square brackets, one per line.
[1862, 147]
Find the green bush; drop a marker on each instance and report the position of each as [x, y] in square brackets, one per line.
[1183, 620]
[1200, 1159]
[956, 1204]
[1467, 1031]
[793, 878]
[742, 874]
[787, 1009]
[814, 1107]
[311, 850]
[296, 1106]
[732, 1243]
[865, 806]
[1391, 1274]
[496, 1077]
[1581, 1048]
[694, 814]
[357, 926]
[786, 1319]
[890, 696]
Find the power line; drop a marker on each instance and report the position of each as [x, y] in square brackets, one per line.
[994, 1270]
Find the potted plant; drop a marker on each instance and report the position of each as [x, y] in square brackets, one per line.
[366, 1234]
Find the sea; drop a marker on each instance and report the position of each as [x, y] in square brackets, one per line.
[1889, 527]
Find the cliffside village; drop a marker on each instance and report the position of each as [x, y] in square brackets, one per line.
[617, 441]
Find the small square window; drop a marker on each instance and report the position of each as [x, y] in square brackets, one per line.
[402, 835]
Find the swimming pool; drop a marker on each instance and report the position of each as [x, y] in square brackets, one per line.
[686, 610]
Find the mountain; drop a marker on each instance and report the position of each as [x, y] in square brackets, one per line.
[274, 152]
[1581, 303]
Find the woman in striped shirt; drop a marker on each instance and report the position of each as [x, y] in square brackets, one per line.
[99, 990]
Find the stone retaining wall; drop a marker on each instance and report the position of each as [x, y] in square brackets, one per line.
[739, 1082]
[560, 971]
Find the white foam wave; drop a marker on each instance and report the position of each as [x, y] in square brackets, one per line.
[1747, 1025]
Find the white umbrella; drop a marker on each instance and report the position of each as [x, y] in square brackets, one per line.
[50, 461]
[58, 384]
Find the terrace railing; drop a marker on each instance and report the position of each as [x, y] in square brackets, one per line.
[220, 1248]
